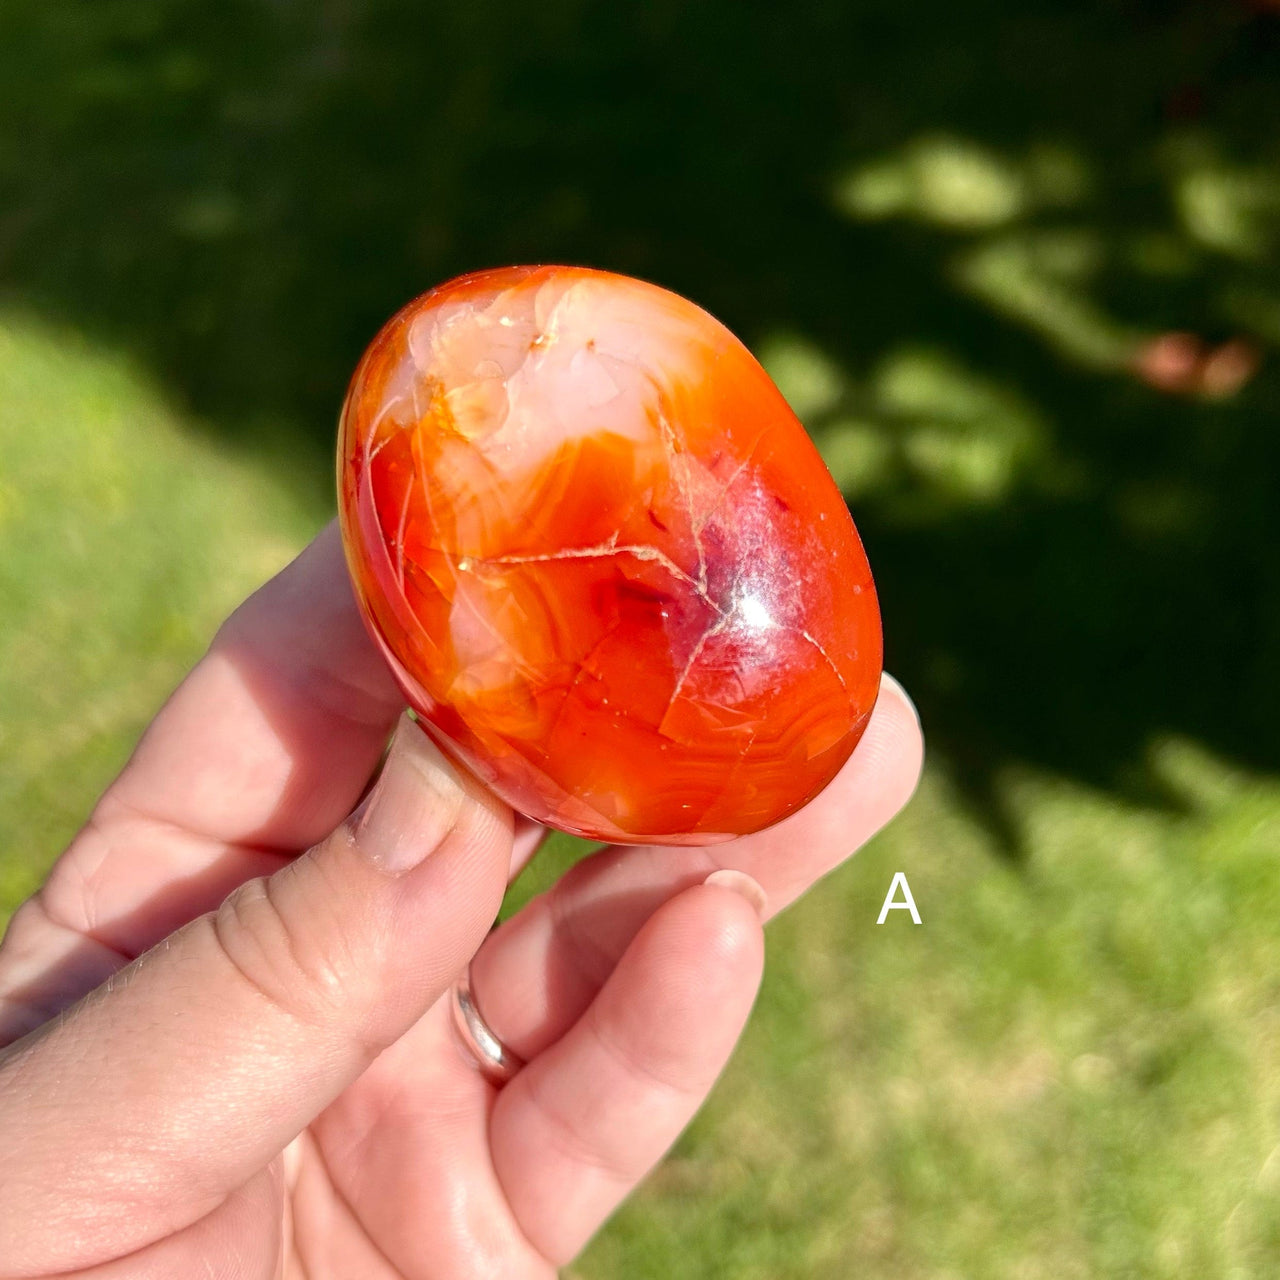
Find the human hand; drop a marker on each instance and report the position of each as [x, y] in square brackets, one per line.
[228, 1057]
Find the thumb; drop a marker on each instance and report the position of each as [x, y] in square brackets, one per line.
[192, 1068]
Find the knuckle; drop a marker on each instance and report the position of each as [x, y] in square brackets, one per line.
[290, 959]
[572, 1136]
[659, 1069]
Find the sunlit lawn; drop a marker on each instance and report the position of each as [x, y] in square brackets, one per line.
[1068, 1070]
[956, 235]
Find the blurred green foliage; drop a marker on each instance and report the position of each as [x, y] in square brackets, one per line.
[953, 233]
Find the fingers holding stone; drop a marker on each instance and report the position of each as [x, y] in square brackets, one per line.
[217, 1047]
[579, 1126]
[536, 974]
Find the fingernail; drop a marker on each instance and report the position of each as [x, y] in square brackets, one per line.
[889, 682]
[411, 807]
[743, 885]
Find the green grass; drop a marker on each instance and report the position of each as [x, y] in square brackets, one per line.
[1065, 1071]
[127, 536]
[946, 229]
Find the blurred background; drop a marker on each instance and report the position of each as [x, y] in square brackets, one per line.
[1016, 266]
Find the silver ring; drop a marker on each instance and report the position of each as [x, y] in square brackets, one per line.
[497, 1063]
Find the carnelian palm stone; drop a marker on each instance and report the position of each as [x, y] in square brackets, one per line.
[602, 557]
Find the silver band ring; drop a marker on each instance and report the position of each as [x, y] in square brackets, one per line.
[497, 1063]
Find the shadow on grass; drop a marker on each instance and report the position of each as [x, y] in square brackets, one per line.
[952, 231]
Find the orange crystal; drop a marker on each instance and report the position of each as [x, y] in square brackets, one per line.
[603, 558]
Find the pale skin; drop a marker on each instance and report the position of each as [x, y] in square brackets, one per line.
[229, 1051]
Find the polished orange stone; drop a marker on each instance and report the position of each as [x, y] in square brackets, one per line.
[604, 560]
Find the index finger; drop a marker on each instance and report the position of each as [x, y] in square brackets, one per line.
[260, 752]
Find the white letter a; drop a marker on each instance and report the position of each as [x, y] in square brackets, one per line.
[899, 878]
